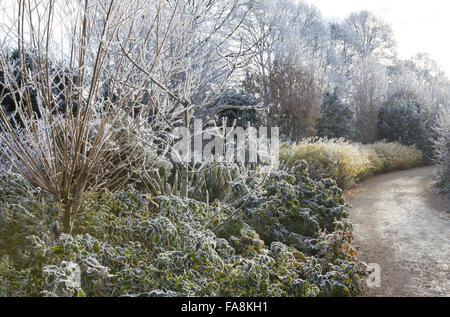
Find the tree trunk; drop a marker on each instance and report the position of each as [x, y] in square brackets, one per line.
[67, 218]
[184, 182]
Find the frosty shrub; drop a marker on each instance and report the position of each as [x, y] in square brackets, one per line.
[237, 109]
[296, 209]
[337, 119]
[132, 71]
[223, 182]
[442, 148]
[128, 244]
[403, 119]
[15, 89]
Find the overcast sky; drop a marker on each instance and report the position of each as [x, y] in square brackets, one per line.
[419, 25]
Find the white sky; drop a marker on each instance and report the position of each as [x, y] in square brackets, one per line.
[419, 25]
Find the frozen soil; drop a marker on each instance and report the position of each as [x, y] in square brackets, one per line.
[403, 224]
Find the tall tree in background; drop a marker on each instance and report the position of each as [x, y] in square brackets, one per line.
[294, 97]
[367, 94]
[287, 32]
[369, 37]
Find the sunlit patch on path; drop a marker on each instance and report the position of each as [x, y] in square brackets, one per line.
[402, 224]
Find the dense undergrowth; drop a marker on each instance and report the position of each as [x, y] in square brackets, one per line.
[293, 241]
[349, 162]
[82, 125]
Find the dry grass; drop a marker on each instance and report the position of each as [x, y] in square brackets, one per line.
[349, 162]
[394, 156]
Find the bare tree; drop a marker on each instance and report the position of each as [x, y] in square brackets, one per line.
[134, 70]
[287, 32]
[368, 92]
[423, 76]
[294, 96]
[370, 37]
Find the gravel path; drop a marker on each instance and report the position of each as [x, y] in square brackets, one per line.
[403, 225]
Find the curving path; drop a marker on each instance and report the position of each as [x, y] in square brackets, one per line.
[403, 225]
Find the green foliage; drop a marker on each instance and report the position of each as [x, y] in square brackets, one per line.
[214, 184]
[23, 213]
[160, 182]
[337, 119]
[295, 209]
[406, 121]
[128, 244]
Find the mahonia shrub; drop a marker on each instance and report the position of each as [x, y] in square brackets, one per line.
[295, 240]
